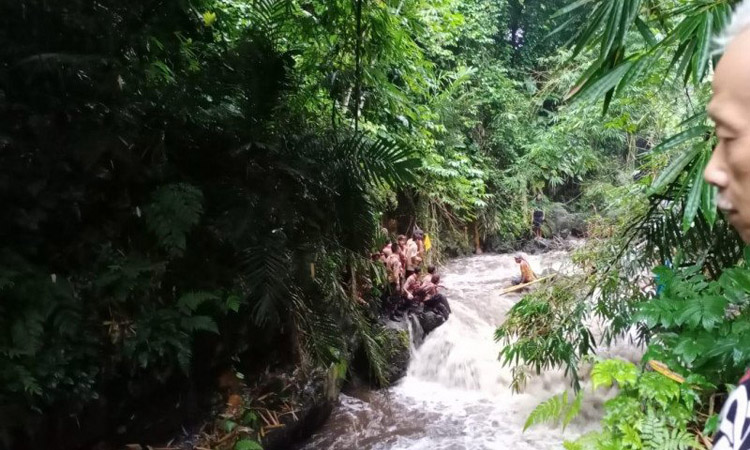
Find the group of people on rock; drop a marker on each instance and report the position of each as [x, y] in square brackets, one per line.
[409, 289]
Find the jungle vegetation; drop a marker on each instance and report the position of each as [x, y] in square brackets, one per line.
[191, 186]
[666, 270]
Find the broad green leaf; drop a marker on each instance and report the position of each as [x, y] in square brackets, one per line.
[192, 300]
[687, 60]
[694, 197]
[200, 323]
[704, 311]
[596, 21]
[695, 119]
[655, 386]
[676, 57]
[597, 88]
[584, 78]
[631, 437]
[562, 26]
[640, 64]
[682, 137]
[712, 425]
[612, 28]
[247, 444]
[674, 169]
[568, 8]
[621, 406]
[702, 53]
[613, 370]
[233, 303]
[209, 18]
[708, 203]
[645, 32]
[659, 311]
[688, 349]
[228, 425]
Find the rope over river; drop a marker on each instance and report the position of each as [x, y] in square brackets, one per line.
[456, 394]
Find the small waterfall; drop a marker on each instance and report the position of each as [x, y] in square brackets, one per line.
[456, 393]
[416, 333]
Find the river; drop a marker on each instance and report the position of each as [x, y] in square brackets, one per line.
[456, 393]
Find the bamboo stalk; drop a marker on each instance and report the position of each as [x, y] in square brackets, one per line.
[521, 286]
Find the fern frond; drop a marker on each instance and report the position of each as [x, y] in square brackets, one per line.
[188, 303]
[267, 273]
[573, 411]
[173, 211]
[548, 411]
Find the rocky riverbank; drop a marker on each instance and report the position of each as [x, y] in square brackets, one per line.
[401, 338]
[288, 406]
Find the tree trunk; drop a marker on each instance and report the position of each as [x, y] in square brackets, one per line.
[477, 240]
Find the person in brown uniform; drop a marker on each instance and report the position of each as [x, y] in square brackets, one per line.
[433, 299]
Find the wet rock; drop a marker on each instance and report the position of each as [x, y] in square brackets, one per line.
[430, 320]
[400, 337]
[314, 404]
[563, 223]
[398, 350]
[536, 246]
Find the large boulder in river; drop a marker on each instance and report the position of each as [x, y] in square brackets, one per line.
[563, 223]
[397, 351]
[399, 339]
[397, 347]
[429, 320]
[536, 246]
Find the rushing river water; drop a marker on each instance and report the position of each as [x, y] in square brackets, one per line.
[456, 394]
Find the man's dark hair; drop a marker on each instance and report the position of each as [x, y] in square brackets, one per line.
[431, 270]
[435, 279]
[395, 247]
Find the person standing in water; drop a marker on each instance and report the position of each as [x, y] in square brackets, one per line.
[729, 171]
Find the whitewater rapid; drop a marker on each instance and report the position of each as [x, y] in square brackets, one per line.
[456, 394]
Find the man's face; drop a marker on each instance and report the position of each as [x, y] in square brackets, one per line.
[401, 242]
[729, 168]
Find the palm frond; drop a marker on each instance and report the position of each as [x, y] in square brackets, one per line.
[267, 267]
[608, 24]
[376, 162]
[269, 15]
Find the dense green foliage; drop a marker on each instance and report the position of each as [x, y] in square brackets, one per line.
[191, 186]
[667, 265]
[150, 198]
[649, 411]
[195, 186]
